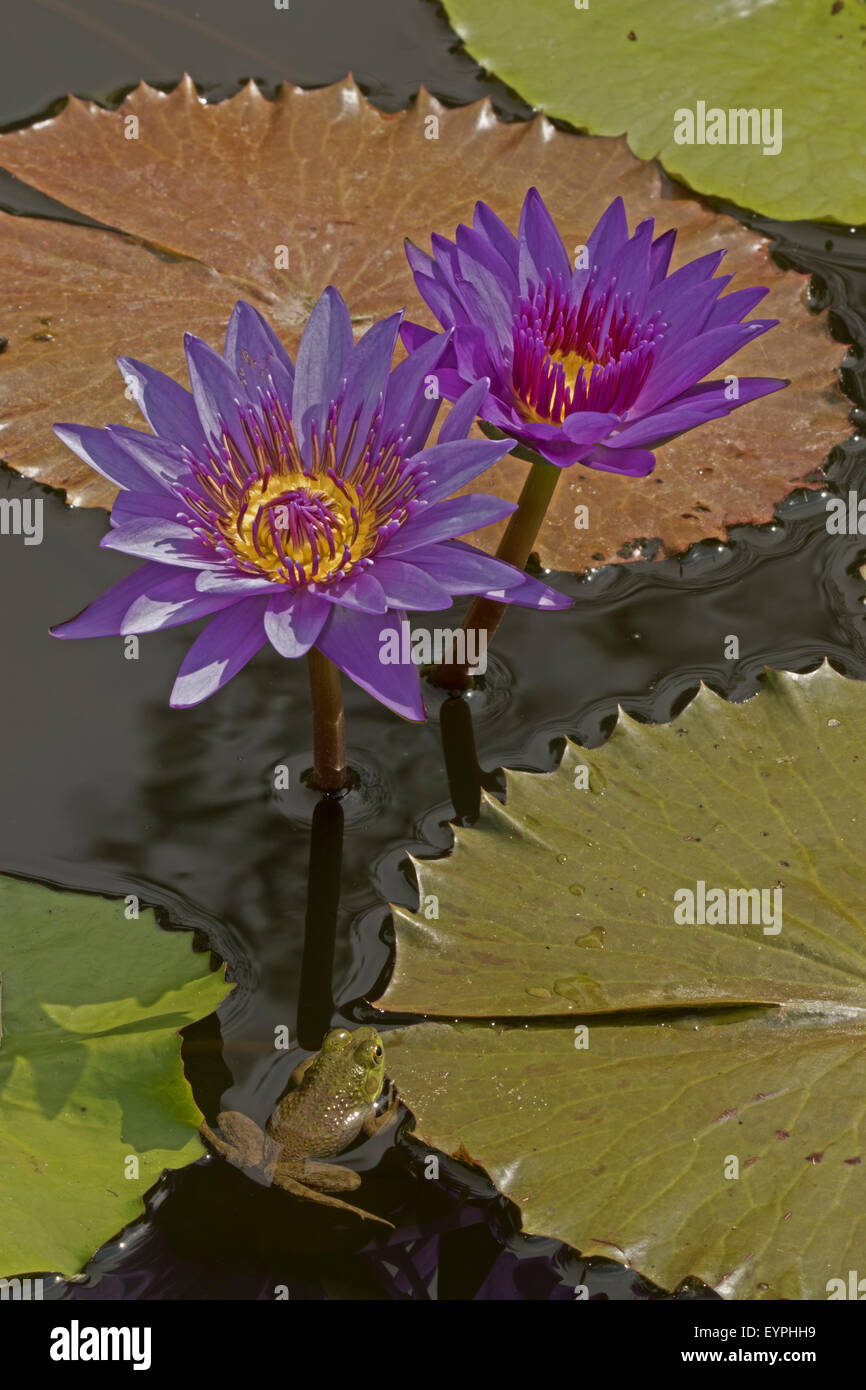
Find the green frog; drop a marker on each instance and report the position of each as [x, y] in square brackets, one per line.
[335, 1097]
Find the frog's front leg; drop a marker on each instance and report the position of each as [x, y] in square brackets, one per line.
[297, 1075]
[389, 1103]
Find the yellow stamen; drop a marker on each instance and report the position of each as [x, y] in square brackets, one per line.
[573, 364]
[321, 511]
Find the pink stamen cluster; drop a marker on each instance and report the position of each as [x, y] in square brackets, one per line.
[610, 350]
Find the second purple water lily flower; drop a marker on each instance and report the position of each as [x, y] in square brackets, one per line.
[295, 503]
[596, 363]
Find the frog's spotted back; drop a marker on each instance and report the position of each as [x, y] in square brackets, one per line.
[335, 1098]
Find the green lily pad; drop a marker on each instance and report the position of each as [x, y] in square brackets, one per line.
[93, 1099]
[618, 67]
[687, 1098]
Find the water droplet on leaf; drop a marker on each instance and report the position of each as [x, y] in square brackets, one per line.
[592, 940]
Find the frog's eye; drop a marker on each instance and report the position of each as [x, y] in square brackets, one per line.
[337, 1038]
[369, 1053]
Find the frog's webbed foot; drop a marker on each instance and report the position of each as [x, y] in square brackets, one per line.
[389, 1105]
[307, 1193]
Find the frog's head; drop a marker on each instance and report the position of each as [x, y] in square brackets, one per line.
[362, 1053]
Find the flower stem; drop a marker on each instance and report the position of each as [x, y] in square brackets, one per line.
[515, 548]
[330, 773]
[315, 990]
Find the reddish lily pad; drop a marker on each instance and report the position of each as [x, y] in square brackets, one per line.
[272, 200]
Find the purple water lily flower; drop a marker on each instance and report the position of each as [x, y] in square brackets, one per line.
[595, 364]
[295, 503]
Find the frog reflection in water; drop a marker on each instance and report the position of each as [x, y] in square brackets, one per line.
[332, 1101]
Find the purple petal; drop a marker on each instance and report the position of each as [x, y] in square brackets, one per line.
[105, 452]
[442, 300]
[660, 256]
[694, 407]
[531, 593]
[353, 641]
[503, 413]
[490, 279]
[452, 383]
[218, 653]
[413, 335]
[462, 569]
[461, 417]
[635, 463]
[589, 426]
[217, 392]
[472, 355]
[157, 538]
[368, 370]
[152, 597]
[167, 406]
[361, 592]
[446, 520]
[446, 264]
[499, 236]
[452, 465]
[734, 307]
[550, 441]
[630, 265]
[165, 462]
[420, 263]
[691, 360]
[256, 354]
[131, 505]
[293, 621]
[231, 581]
[323, 354]
[688, 312]
[609, 233]
[692, 273]
[407, 586]
[406, 407]
[541, 247]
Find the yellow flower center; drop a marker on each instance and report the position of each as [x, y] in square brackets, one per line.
[572, 365]
[300, 522]
[260, 505]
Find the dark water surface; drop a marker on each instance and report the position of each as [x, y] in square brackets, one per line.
[105, 789]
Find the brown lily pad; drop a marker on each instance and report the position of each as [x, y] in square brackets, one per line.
[204, 196]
